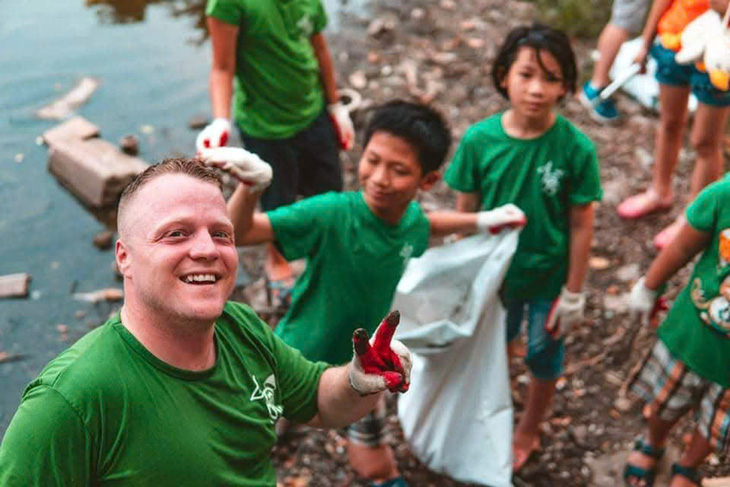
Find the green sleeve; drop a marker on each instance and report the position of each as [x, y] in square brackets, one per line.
[299, 381]
[46, 443]
[299, 228]
[461, 174]
[702, 212]
[585, 184]
[228, 11]
[320, 20]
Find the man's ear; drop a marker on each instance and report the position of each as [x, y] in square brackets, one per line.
[121, 254]
[429, 180]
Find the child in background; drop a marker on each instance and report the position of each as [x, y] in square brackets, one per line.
[357, 245]
[539, 161]
[689, 366]
[675, 84]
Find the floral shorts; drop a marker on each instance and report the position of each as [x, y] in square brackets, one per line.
[670, 389]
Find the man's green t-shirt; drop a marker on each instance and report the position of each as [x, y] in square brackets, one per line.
[544, 177]
[108, 412]
[278, 91]
[697, 328]
[354, 263]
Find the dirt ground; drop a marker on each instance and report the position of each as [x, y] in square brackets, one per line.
[440, 51]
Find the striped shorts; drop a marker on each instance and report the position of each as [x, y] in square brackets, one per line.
[370, 430]
[670, 389]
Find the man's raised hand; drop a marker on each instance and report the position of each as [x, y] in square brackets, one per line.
[382, 362]
[245, 166]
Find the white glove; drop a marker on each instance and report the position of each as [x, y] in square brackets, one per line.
[643, 302]
[494, 221]
[343, 125]
[245, 166]
[382, 362]
[566, 311]
[214, 135]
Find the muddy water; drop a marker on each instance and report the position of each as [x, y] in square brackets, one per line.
[152, 62]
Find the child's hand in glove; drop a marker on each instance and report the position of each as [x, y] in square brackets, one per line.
[645, 303]
[566, 311]
[245, 166]
[214, 135]
[381, 363]
[494, 221]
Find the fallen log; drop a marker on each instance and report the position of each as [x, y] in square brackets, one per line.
[74, 98]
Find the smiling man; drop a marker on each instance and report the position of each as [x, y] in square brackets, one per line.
[182, 387]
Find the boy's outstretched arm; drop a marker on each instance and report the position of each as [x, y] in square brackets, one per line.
[493, 221]
[254, 176]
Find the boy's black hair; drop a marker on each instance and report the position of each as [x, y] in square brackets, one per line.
[539, 37]
[421, 126]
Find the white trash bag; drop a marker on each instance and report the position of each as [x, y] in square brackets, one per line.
[457, 415]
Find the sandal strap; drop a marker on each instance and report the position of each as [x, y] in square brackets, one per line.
[646, 474]
[690, 473]
[649, 450]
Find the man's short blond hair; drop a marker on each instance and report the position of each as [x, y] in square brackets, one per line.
[178, 165]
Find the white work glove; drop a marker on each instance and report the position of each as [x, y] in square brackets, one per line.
[645, 303]
[342, 122]
[381, 363]
[245, 166]
[494, 221]
[566, 311]
[214, 135]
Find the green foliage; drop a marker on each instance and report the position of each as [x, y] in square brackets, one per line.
[580, 18]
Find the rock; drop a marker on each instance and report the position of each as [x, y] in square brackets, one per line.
[644, 157]
[75, 128]
[381, 25]
[197, 122]
[418, 13]
[103, 240]
[628, 273]
[14, 285]
[599, 263]
[129, 144]
[616, 303]
[358, 80]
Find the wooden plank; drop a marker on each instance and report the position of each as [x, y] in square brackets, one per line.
[70, 101]
[14, 285]
[76, 128]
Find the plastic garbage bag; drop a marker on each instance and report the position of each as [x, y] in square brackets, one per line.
[457, 415]
[644, 88]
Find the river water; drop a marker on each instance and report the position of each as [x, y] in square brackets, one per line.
[152, 62]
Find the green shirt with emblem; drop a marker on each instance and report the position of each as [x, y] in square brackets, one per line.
[108, 412]
[544, 177]
[354, 263]
[697, 328]
[278, 91]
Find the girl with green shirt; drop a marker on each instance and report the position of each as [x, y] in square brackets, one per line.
[534, 158]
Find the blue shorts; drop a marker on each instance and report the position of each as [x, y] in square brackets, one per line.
[545, 355]
[306, 164]
[672, 74]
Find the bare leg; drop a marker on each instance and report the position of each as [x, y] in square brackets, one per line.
[669, 134]
[375, 463]
[277, 267]
[692, 457]
[608, 46]
[527, 434]
[706, 137]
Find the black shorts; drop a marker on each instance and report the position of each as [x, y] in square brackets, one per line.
[305, 164]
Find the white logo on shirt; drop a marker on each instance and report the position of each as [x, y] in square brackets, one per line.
[305, 26]
[406, 252]
[550, 178]
[267, 394]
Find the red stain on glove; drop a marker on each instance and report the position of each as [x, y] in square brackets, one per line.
[379, 358]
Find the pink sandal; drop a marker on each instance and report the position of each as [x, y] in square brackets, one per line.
[642, 204]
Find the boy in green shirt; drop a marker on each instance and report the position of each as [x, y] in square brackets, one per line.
[357, 245]
[689, 367]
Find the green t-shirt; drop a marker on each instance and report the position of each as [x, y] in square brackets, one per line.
[354, 263]
[278, 91]
[697, 328]
[108, 412]
[544, 177]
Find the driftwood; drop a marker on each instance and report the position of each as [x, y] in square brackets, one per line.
[14, 285]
